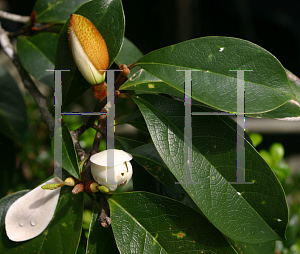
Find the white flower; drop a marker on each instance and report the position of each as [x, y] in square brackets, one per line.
[121, 168]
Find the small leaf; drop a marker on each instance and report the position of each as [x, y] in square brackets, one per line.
[256, 138]
[148, 223]
[37, 55]
[277, 152]
[266, 86]
[69, 155]
[54, 11]
[13, 116]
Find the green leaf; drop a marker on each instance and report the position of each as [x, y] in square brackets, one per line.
[251, 213]
[37, 55]
[6, 202]
[245, 248]
[13, 116]
[127, 143]
[143, 81]
[266, 86]
[136, 120]
[295, 83]
[290, 111]
[277, 152]
[54, 10]
[148, 223]
[100, 240]
[128, 55]
[62, 234]
[108, 17]
[69, 155]
[256, 138]
[148, 157]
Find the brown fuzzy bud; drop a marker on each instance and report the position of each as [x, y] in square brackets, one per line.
[78, 188]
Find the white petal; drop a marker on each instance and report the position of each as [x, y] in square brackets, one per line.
[30, 215]
[120, 156]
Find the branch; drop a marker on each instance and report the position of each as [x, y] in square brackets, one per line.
[14, 17]
[91, 120]
[27, 81]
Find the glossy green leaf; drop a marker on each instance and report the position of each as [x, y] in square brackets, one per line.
[69, 155]
[127, 143]
[62, 234]
[108, 17]
[136, 120]
[266, 86]
[148, 157]
[295, 83]
[129, 54]
[6, 202]
[251, 213]
[148, 223]
[101, 240]
[37, 55]
[245, 248]
[13, 116]
[290, 111]
[54, 10]
[143, 81]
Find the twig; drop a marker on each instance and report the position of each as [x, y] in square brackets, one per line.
[14, 17]
[105, 220]
[100, 126]
[101, 130]
[125, 71]
[81, 153]
[103, 207]
[28, 83]
[31, 30]
[131, 66]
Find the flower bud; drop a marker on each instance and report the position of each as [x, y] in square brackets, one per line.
[122, 169]
[88, 49]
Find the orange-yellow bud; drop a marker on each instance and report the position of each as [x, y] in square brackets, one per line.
[88, 49]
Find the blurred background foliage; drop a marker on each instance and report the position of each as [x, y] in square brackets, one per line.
[272, 24]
